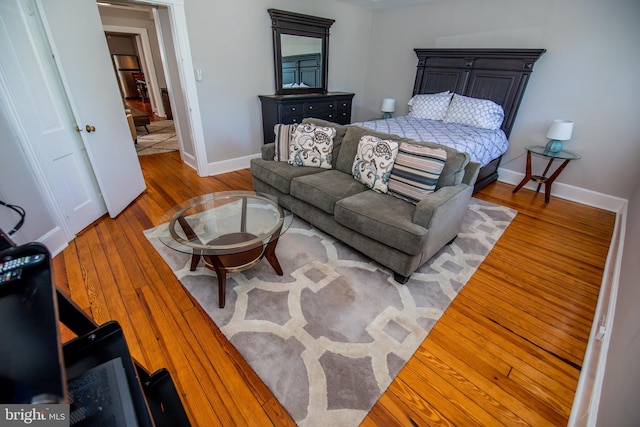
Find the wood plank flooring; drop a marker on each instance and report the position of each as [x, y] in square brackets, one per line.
[508, 351]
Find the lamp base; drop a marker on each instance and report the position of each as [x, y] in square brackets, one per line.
[386, 116]
[554, 145]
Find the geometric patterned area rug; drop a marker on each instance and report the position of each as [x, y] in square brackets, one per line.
[160, 139]
[329, 336]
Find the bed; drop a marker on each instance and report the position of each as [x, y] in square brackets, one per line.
[498, 75]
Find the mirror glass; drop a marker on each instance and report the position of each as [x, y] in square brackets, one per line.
[301, 61]
[300, 52]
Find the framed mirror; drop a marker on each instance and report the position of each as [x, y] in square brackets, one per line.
[300, 52]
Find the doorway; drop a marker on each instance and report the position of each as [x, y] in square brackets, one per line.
[137, 52]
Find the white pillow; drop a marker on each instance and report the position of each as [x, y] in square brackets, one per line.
[311, 145]
[374, 161]
[479, 113]
[432, 107]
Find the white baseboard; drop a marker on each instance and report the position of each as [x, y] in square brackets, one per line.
[54, 240]
[231, 165]
[584, 411]
[585, 405]
[568, 192]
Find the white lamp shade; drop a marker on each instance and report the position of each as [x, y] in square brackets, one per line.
[388, 105]
[560, 130]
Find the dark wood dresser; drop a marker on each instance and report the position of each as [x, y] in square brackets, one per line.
[287, 109]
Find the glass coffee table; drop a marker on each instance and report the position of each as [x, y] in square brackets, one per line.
[231, 231]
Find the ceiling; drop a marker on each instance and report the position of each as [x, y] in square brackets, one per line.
[385, 4]
[370, 4]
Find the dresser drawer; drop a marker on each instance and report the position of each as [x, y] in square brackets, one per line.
[313, 108]
[327, 115]
[288, 119]
[344, 105]
[343, 117]
[291, 109]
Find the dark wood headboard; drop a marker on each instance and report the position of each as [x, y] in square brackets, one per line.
[500, 75]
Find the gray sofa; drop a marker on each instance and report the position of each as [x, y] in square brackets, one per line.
[395, 233]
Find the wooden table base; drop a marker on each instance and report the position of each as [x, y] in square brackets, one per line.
[541, 179]
[236, 261]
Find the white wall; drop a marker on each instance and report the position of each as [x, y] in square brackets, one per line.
[231, 42]
[621, 384]
[588, 74]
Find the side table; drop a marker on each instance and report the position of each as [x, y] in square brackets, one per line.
[567, 156]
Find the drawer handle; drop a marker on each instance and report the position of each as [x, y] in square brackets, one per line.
[295, 120]
[293, 108]
[344, 104]
[344, 114]
[330, 116]
[330, 106]
[310, 107]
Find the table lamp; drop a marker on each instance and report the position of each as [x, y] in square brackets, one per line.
[560, 130]
[388, 107]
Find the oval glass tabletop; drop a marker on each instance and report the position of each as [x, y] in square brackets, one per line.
[223, 223]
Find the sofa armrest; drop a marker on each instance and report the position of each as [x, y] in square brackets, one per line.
[471, 172]
[446, 205]
[268, 151]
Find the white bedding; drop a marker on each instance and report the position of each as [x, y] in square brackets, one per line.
[483, 145]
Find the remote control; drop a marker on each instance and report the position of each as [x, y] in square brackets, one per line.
[10, 275]
[22, 262]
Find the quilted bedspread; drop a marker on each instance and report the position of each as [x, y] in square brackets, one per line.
[483, 145]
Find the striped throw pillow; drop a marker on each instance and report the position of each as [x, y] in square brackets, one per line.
[416, 171]
[283, 137]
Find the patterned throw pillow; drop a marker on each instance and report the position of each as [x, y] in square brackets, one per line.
[416, 171]
[432, 107]
[311, 145]
[374, 161]
[283, 138]
[479, 113]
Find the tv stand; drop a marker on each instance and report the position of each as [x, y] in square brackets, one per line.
[38, 368]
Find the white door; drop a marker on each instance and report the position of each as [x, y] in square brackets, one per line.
[81, 51]
[34, 95]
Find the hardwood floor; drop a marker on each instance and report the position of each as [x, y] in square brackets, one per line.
[508, 351]
[144, 106]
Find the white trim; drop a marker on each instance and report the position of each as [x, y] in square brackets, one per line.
[180, 36]
[55, 241]
[231, 165]
[26, 144]
[568, 192]
[149, 69]
[584, 411]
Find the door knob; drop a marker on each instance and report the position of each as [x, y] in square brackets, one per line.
[90, 128]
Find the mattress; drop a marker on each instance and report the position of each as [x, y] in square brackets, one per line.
[483, 145]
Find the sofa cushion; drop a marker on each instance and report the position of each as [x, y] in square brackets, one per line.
[279, 174]
[374, 161]
[384, 218]
[416, 171]
[337, 139]
[323, 190]
[311, 145]
[452, 173]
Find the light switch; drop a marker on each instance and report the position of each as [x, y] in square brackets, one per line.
[199, 74]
